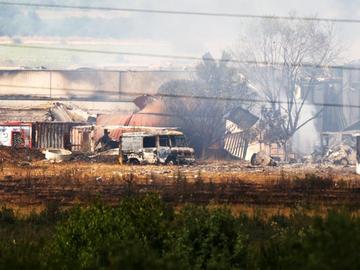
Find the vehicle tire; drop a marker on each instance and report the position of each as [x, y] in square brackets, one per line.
[134, 161]
[170, 161]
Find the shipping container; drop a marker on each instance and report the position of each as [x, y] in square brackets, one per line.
[53, 134]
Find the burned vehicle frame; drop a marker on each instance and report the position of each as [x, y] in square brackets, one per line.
[155, 147]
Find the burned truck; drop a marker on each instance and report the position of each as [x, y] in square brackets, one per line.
[160, 146]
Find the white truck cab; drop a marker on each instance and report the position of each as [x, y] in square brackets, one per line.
[157, 146]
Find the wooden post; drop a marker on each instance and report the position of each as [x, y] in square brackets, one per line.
[121, 158]
[120, 85]
[50, 84]
[358, 154]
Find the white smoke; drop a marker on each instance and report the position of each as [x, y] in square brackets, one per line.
[307, 137]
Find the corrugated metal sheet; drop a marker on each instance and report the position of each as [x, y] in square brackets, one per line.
[53, 134]
[82, 138]
[243, 118]
[236, 144]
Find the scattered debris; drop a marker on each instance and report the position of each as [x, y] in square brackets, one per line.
[109, 156]
[24, 164]
[108, 153]
[341, 154]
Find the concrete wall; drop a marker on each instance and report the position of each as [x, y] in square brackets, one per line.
[96, 91]
[149, 81]
[84, 84]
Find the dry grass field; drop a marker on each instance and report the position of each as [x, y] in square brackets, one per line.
[34, 185]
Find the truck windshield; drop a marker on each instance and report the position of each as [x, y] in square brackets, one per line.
[177, 141]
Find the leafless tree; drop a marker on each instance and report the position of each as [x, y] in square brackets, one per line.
[289, 57]
[201, 113]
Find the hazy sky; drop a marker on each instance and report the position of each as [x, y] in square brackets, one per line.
[193, 35]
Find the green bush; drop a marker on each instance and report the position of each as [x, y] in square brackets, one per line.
[92, 237]
[326, 243]
[145, 233]
[208, 239]
[7, 216]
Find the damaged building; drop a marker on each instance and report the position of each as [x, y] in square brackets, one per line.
[46, 126]
[339, 121]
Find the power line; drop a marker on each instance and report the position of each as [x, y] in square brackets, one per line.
[249, 100]
[161, 95]
[178, 12]
[179, 57]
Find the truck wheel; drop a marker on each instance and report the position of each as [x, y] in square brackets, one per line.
[170, 161]
[134, 161]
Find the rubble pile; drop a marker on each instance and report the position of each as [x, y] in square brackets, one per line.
[109, 156]
[338, 154]
[315, 157]
[341, 154]
[69, 113]
[10, 154]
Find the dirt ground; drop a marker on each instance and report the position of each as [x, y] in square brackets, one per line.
[29, 163]
[215, 171]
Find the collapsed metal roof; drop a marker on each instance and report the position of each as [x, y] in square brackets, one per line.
[243, 118]
[24, 115]
[46, 113]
